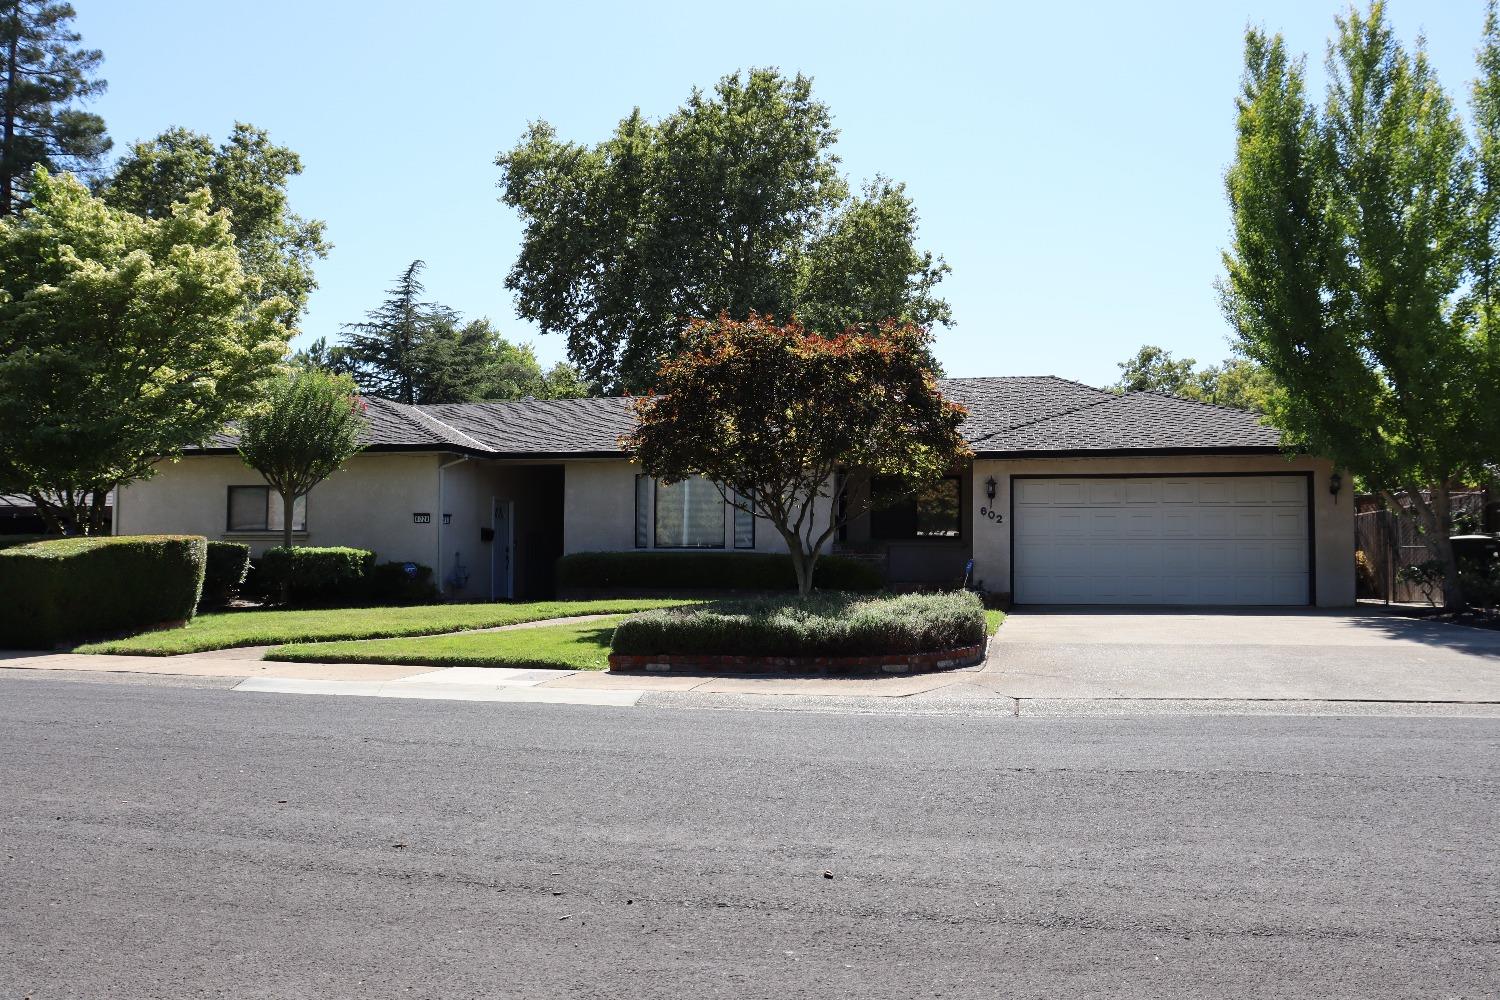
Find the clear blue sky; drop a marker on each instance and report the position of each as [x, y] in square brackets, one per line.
[1066, 158]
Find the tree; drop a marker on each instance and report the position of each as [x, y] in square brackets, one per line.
[774, 415]
[246, 175]
[1238, 382]
[385, 352]
[307, 425]
[43, 74]
[731, 204]
[1153, 369]
[422, 352]
[122, 340]
[1361, 271]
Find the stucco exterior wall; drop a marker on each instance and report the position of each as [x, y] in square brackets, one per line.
[599, 512]
[1332, 524]
[368, 504]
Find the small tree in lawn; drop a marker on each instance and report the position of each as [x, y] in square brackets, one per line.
[307, 427]
[773, 415]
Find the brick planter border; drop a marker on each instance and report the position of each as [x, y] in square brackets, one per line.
[838, 666]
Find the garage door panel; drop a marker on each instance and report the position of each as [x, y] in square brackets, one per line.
[1161, 540]
[1289, 490]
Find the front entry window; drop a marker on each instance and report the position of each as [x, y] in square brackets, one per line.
[934, 511]
[689, 515]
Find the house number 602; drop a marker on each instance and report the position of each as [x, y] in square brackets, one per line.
[992, 514]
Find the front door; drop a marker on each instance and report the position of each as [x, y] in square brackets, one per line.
[502, 563]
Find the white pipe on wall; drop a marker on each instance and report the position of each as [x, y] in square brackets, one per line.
[442, 580]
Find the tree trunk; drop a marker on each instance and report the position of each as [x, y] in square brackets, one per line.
[800, 564]
[1441, 546]
[8, 125]
[288, 501]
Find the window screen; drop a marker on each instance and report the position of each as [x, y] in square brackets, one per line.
[258, 508]
[689, 515]
[642, 511]
[744, 528]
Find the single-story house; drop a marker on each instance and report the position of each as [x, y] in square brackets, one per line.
[1075, 495]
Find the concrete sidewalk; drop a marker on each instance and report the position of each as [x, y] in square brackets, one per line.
[1065, 661]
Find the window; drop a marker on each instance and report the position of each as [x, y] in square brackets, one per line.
[642, 511]
[744, 527]
[930, 512]
[259, 508]
[689, 515]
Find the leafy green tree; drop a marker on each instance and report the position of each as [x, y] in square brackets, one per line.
[122, 340]
[733, 204]
[43, 76]
[864, 266]
[772, 415]
[1238, 382]
[563, 381]
[246, 175]
[1361, 271]
[306, 426]
[1153, 369]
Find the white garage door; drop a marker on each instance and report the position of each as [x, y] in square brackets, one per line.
[1167, 540]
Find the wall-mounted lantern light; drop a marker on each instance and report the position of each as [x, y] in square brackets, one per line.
[1335, 484]
[989, 487]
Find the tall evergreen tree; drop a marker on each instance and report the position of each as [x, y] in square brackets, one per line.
[384, 352]
[43, 74]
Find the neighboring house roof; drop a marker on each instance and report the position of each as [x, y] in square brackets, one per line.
[24, 502]
[1009, 416]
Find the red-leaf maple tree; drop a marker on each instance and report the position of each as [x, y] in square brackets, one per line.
[775, 416]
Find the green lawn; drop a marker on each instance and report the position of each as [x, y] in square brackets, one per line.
[577, 646]
[270, 628]
[992, 620]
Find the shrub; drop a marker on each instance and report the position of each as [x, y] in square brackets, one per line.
[668, 571]
[312, 575]
[1480, 576]
[393, 583]
[821, 625]
[74, 588]
[223, 573]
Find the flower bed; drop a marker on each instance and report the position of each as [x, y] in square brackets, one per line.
[832, 633]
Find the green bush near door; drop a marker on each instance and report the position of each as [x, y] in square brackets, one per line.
[74, 588]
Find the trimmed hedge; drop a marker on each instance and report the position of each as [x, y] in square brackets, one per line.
[709, 571]
[391, 585]
[338, 578]
[822, 625]
[311, 575]
[74, 588]
[223, 572]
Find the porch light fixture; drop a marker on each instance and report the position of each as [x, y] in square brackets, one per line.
[989, 487]
[1335, 484]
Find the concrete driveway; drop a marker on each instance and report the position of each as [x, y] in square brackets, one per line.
[1235, 654]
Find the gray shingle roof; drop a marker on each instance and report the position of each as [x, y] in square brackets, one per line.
[1008, 415]
[543, 426]
[1136, 421]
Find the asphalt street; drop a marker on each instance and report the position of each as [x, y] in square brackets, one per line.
[179, 840]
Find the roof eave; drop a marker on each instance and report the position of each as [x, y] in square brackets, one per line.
[1134, 452]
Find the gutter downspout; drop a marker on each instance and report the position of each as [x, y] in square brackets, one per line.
[443, 580]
